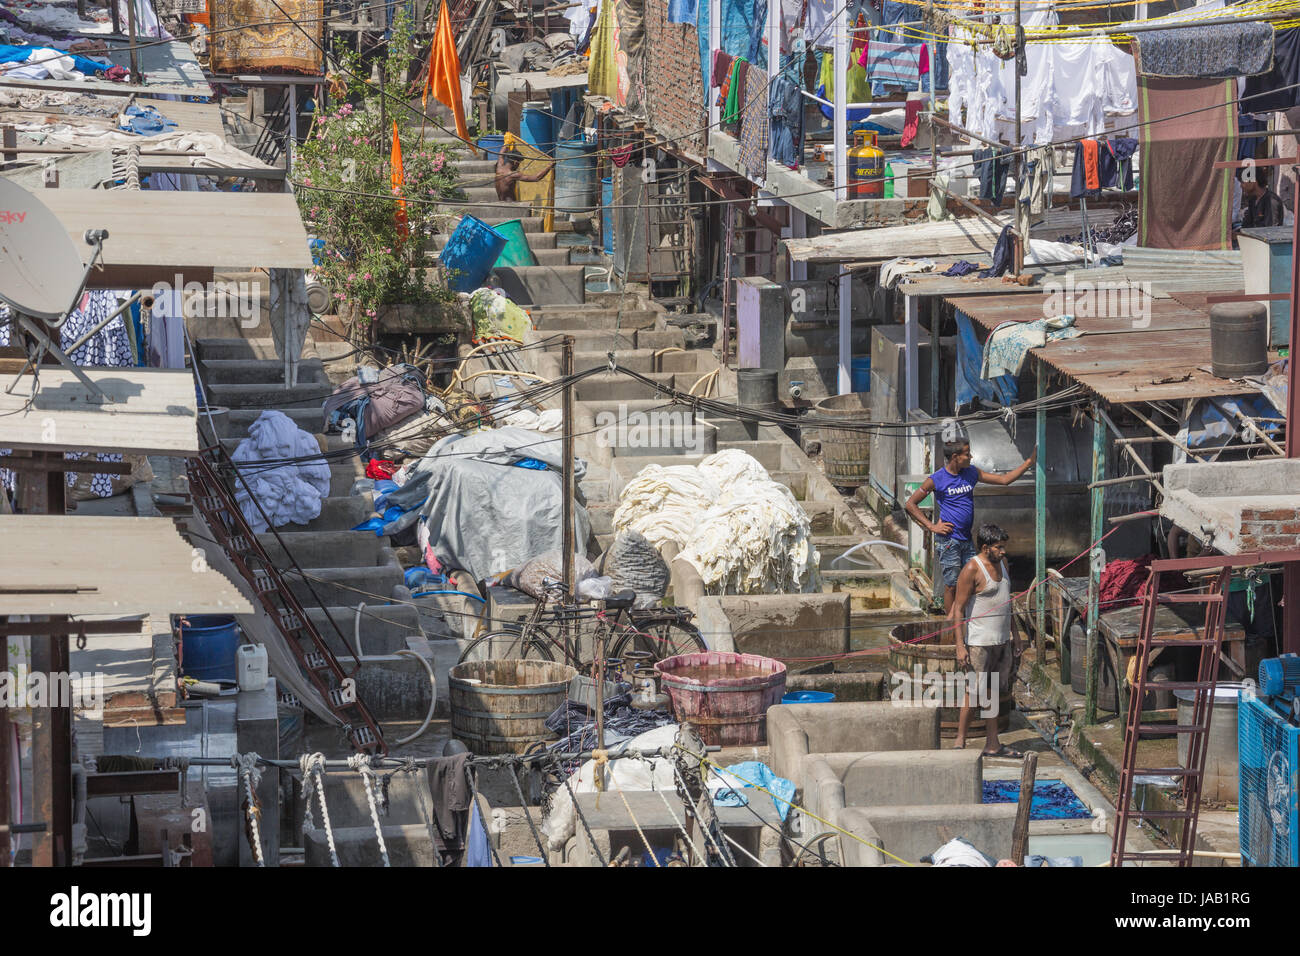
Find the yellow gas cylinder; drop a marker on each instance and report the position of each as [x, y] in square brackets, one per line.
[866, 162]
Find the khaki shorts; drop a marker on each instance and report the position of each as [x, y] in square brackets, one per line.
[993, 659]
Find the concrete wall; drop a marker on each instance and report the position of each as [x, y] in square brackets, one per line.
[675, 84]
[914, 832]
[901, 778]
[1238, 506]
[795, 730]
[787, 625]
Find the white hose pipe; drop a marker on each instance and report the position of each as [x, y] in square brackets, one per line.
[866, 544]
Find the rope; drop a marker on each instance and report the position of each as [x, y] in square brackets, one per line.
[523, 802]
[805, 812]
[473, 792]
[312, 766]
[743, 850]
[361, 763]
[705, 828]
[636, 823]
[246, 765]
[591, 840]
[695, 854]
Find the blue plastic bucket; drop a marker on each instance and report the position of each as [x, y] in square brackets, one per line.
[470, 254]
[208, 646]
[861, 373]
[607, 213]
[537, 127]
[491, 146]
[807, 697]
[575, 177]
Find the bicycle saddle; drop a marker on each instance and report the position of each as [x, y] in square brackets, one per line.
[620, 600]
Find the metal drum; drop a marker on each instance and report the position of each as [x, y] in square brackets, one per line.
[1238, 339]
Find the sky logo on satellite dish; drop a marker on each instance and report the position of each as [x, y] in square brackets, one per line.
[219, 299]
[10, 216]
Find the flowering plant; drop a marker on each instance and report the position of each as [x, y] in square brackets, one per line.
[373, 247]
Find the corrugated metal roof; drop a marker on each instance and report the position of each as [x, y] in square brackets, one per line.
[1119, 358]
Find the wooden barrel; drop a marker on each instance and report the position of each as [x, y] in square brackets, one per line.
[725, 695]
[500, 707]
[935, 654]
[846, 455]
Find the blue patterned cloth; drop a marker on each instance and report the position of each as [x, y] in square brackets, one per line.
[1226, 50]
[1052, 800]
[1010, 342]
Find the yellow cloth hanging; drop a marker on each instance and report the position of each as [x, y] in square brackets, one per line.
[859, 88]
[602, 67]
[540, 195]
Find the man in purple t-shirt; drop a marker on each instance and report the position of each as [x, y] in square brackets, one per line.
[953, 486]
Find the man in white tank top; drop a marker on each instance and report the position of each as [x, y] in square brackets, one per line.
[988, 642]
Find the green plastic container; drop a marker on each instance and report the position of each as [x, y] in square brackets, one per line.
[889, 181]
[517, 251]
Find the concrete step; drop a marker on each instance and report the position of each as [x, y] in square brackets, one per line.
[234, 424]
[475, 168]
[314, 550]
[531, 224]
[346, 586]
[394, 687]
[486, 193]
[385, 628]
[663, 437]
[341, 514]
[560, 319]
[766, 453]
[234, 348]
[266, 396]
[734, 430]
[542, 285]
[612, 386]
[407, 844]
[490, 210]
[258, 371]
[536, 241]
[343, 475]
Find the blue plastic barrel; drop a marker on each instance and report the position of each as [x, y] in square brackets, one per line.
[607, 213]
[208, 646]
[861, 373]
[807, 697]
[537, 127]
[575, 177]
[491, 146]
[470, 254]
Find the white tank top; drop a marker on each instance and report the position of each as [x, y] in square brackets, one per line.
[988, 612]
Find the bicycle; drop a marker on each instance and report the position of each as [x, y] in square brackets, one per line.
[646, 635]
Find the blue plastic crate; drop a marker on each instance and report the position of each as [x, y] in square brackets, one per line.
[1269, 760]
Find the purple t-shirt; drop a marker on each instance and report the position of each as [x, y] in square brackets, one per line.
[956, 497]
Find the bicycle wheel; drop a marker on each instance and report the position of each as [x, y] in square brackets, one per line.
[505, 645]
[660, 639]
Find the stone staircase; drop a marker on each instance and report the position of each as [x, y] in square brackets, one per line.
[342, 568]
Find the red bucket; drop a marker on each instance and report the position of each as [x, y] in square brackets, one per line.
[726, 696]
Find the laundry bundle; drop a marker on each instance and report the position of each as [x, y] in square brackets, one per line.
[291, 489]
[742, 531]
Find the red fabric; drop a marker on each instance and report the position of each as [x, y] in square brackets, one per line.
[620, 156]
[911, 122]
[1123, 581]
[380, 469]
[858, 50]
[1092, 177]
[925, 60]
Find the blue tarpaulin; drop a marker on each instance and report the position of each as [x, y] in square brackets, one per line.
[1003, 390]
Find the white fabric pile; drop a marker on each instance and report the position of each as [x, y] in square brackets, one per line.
[743, 532]
[290, 492]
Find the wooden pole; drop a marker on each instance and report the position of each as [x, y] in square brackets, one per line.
[135, 56]
[1020, 833]
[1094, 564]
[1040, 516]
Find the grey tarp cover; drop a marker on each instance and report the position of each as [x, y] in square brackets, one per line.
[485, 514]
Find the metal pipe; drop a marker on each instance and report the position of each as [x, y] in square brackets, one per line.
[1094, 562]
[396, 763]
[1040, 511]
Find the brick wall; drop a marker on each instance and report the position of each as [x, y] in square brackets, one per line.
[674, 83]
[1275, 529]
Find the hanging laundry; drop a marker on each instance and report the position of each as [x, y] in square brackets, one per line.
[683, 11]
[1010, 342]
[1277, 90]
[731, 107]
[1002, 255]
[1219, 51]
[1040, 170]
[895, 64]
[911, 122]
[785, 103]
[721, 71]
[992, 172]
[970, 385]
[444, 72]
[754, 126]
[1187, 125]
[859, 90]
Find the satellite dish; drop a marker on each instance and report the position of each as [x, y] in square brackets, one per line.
[41, 272]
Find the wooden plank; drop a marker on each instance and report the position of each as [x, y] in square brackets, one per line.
[163, 233]
[154, 413]
[53, 564]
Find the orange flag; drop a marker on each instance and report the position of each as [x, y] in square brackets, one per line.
[398, 181]
[444, 72]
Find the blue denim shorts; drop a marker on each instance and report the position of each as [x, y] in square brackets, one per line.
[953, 556]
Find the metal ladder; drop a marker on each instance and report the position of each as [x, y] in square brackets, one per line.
[667, 217]
[1192, 776]
[337, 687]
